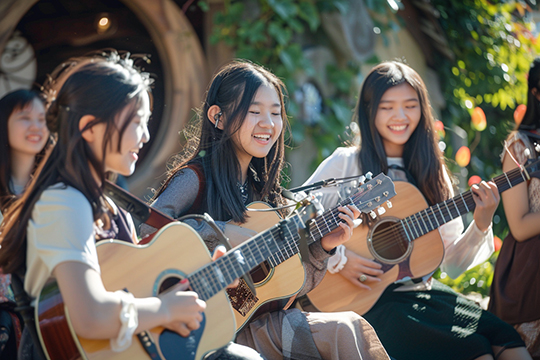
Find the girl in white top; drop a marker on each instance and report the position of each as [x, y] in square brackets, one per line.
[100, 115]
[417, 320]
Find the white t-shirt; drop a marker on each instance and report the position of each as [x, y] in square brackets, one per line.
[60, 229]
[463, 250]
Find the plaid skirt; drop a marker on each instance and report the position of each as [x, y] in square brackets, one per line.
[437, 324]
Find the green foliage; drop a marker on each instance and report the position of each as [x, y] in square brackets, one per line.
[476, 280]
[268, 32]
[493, 47]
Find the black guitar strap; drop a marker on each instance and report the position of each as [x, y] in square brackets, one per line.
[27, 312]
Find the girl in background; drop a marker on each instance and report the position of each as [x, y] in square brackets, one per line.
[235, 157]
[423, 319]
[23, 133]
[100, 115]
[515, 290]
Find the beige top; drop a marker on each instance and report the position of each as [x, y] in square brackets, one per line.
[60, 229]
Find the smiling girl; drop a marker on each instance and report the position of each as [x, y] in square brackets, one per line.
[236, 157]
[100, 115]
[420, 319]
[23, 135]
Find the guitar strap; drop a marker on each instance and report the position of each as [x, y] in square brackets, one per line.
[136, 207]
[27, 313]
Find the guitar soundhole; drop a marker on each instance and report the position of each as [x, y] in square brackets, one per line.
[168, 283]
[260, 272]
[388, 242]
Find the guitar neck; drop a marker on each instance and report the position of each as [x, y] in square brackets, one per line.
[274, 245]
[281, 241]
[330, 220]
[434, 216]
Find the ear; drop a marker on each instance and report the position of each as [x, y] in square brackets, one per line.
[212, 114]
[89, 134]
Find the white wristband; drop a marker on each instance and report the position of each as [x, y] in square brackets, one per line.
[337, 261]
[129, 319]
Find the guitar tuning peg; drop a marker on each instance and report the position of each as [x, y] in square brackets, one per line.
[362, 179]
[369, 175]
[389, 204]
[372, 214]
[381, 210]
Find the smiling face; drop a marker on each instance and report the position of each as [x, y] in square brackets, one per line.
[122, 161]
[134, 137]
[27, 130]
[398, 115]
[261, 127]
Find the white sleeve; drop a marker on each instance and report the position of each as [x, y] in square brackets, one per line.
[464, 250]
[60, 230]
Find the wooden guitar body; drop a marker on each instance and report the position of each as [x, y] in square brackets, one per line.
[175, 252]
[271, 283]
[399, 256]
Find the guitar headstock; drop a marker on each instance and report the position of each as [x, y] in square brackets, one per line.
[374, 193]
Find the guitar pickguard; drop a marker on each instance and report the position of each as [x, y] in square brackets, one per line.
[174, 346]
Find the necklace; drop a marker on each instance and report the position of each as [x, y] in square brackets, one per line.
[243, 190]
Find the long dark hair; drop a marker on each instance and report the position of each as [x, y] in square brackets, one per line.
[14, 101]
[421, 155]
[233, 89]
[101, 85]
[531, 119]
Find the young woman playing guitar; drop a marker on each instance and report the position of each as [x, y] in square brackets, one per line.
[236, 157]
[100, 115]
[420, 319]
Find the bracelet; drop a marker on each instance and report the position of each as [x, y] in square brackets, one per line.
[129, 319]
[337, 261]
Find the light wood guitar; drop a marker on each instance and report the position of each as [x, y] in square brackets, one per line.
[403, 241]
[174, 253]
[283, 275]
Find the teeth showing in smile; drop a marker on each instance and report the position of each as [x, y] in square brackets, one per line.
[34, 137]
[397, 127]
[262, 137]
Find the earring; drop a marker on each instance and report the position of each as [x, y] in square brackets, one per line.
[216, 118]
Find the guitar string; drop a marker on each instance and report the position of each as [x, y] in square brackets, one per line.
[202, 276]
[503, 185]
[390, 229]
[424, 215]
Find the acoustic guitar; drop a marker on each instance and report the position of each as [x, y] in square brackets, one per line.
[174, 253]
[403, 241]
[283, 275]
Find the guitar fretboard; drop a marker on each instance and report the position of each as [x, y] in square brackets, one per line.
[330, 220]
[274, 245]
[279, 243]
[434, 216]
